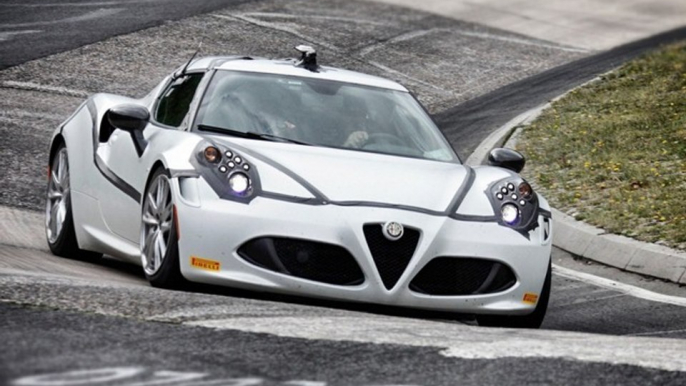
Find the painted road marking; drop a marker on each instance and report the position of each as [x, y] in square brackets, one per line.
[80, 377]
[314, 17]
[619, 287]
[279, 27]
[468, 342]
[30, 86]
[87, 4]
[667, 332]
[5, 36]
[227, 382]
[478, 35]
[123, 375]
[97, 14]
[527, 42]
[396, 39]
[166, 377]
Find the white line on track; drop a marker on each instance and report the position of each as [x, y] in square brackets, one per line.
[652, 333]
[4, 36]
[411, 78]
[467, 342]
[396, 39]
[227, 382]
[280, 27]
[478, 35]
[85, 4]
[97, 14]
[30, 86]
[278, 15]
[619, 287]
[526, 42]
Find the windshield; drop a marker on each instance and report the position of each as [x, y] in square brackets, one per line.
[321, 113]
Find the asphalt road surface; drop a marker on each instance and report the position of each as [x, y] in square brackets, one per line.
[98, 322]
[78, 319]
[30, 29]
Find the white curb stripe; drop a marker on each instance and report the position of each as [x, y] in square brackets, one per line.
[620, 287]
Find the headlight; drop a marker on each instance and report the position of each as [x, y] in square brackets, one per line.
[525, 190]
[510, 213]
[229, 174]
[514, 203]
[239, 183]
[212, 154]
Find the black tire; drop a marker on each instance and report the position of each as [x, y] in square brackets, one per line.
[533, 320]
[168, 275]
[65, 244]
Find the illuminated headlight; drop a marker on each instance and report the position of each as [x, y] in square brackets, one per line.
[239, 183]
[510, 213]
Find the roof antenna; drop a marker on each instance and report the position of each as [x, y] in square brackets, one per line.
[308, 58]
[183, 70]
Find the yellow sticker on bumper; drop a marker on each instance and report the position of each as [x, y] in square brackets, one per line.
[206, 264]
[530, 298]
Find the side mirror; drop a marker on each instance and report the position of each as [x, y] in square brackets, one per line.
[133, 119]
[507, 158]
[128, 117]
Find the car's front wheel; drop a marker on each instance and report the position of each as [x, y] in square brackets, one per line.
[533, 320]
[158, 239]
[59, 219]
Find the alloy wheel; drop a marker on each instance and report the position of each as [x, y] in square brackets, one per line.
[156, 224]
[56, 206]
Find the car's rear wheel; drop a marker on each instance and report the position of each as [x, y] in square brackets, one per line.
[158, 239]
[59, 220]
[533, 320]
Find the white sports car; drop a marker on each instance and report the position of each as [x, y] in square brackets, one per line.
[291, 177]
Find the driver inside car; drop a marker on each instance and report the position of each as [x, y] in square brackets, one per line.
[360, 123]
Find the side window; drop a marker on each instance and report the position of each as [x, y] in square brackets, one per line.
[175, 101]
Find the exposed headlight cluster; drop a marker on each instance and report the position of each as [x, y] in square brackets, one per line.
[239, 183]
[515, 202]
[229, 174]
[510, 213]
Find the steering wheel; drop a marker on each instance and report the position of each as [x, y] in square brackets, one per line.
[384, 138]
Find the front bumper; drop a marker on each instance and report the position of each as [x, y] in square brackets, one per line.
[214, 230]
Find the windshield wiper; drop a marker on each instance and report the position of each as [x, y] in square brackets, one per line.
[250, 135]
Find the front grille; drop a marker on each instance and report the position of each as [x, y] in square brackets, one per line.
[391, 257]
[452, 276]
[326, 263]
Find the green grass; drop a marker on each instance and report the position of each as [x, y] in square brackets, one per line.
[613, 152]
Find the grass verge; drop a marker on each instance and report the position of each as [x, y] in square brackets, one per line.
[613, 153]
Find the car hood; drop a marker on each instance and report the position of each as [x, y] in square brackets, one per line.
[357, 176]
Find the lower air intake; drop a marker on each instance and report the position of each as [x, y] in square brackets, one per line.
[311, 260]
[391, 257]
[454, 276]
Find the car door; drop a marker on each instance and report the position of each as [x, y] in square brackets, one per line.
[121, 203]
